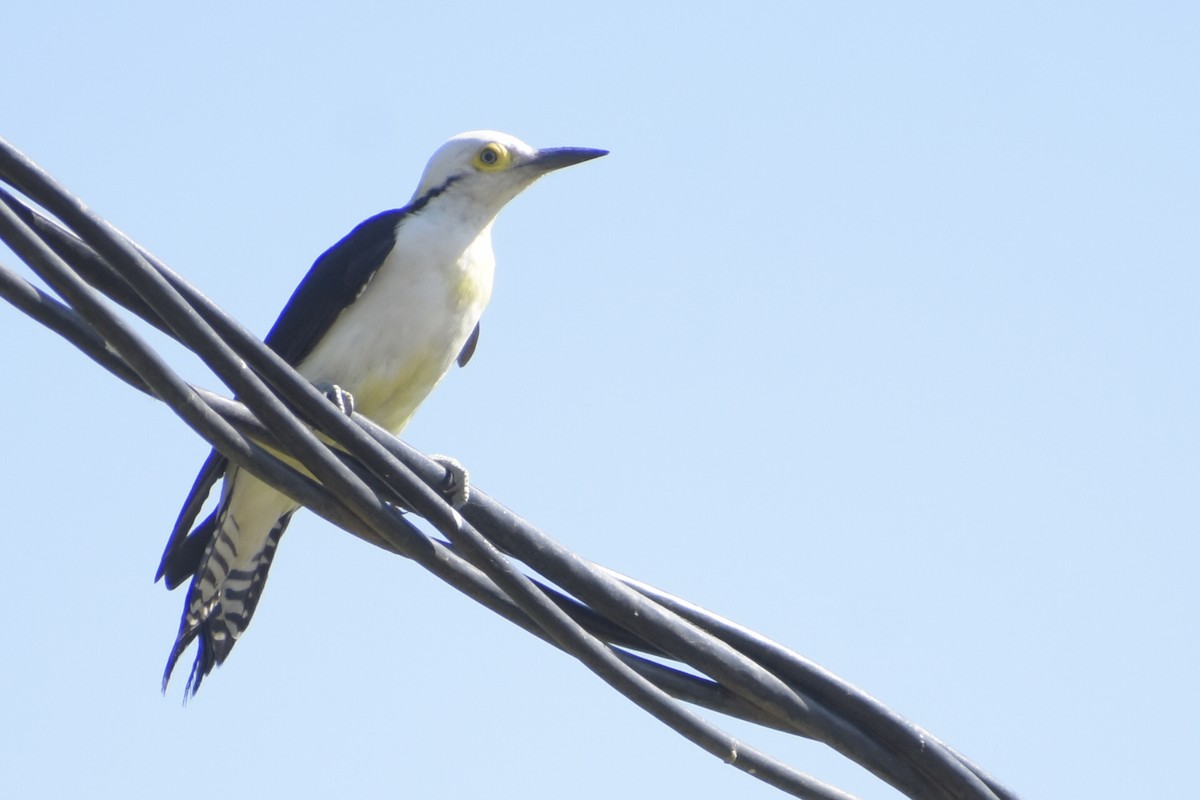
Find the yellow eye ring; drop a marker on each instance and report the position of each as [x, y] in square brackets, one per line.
[493, 157]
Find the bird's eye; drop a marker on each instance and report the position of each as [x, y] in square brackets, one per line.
[492, 157]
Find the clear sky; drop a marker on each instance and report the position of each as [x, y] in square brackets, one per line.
[877, 332]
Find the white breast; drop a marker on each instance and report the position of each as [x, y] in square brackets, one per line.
[396, 341]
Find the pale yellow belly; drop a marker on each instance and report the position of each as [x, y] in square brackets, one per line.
[389, 398]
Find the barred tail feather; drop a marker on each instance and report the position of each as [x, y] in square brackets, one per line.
[222, 598]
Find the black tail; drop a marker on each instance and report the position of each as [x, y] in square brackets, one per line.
[221, 600]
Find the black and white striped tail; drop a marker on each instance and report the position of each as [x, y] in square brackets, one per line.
[221, 599]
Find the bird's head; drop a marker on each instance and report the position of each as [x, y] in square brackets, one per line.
[492, 168]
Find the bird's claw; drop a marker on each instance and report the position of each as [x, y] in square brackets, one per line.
[456, 487]
[338, 396]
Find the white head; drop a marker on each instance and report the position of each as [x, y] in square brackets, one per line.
[492, 168]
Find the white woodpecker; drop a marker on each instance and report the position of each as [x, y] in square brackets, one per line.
[378, 321]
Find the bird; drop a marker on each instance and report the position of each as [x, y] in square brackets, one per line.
[378, 320]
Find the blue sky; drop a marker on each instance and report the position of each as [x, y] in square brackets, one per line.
[876, 332]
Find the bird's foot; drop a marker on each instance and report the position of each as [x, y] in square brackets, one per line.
[338, 396]
[456, 487]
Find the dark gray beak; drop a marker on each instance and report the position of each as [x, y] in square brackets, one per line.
[553, 158]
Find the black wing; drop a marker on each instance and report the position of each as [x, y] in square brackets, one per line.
[337, 278]
[334, 281]
[468, 349]
[331, 285]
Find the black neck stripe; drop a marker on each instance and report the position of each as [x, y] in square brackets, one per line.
[417, 205]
